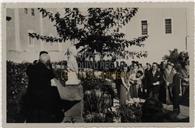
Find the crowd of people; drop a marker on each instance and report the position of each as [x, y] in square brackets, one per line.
[165, 82]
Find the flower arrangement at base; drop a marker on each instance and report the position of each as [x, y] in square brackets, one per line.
[132, 111]
[98, 100]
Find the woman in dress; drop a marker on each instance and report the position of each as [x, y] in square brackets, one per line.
[124, 88]
[135, 81]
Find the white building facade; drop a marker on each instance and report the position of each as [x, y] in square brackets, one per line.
[167, 29]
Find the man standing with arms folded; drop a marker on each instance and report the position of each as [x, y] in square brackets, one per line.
[154, 81]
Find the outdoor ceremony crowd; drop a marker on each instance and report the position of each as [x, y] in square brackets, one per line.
[161, 83]
[165, 82]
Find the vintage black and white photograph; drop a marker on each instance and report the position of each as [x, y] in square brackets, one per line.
[106, 64]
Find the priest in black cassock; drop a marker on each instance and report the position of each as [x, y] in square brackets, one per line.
[42, 101]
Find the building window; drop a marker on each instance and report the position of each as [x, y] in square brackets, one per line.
[168, 26]
[144, 27]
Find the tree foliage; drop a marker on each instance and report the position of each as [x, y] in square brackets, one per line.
[177, 58]
[96, 32]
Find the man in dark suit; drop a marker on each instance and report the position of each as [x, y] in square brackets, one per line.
[42, 100]
[145, 79]
[176, 89]
[154, 81]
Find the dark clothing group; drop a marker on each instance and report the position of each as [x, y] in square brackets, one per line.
[166, 93]
[165, 85]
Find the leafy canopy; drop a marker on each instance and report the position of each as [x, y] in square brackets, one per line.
[96, 32]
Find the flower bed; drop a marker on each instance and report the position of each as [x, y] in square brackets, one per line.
[99, 104]
[97, 100]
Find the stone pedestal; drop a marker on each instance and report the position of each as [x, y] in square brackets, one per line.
[74, 114]
[73, 101]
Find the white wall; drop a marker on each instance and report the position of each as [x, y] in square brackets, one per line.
[158, 43]
[29, 23]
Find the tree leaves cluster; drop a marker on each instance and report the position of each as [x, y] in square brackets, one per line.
[177, 58]
[140, 54]
[45, 38]
[97, 31]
